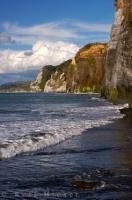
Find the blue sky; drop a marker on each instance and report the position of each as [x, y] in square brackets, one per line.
[39, 11]
[28, 26]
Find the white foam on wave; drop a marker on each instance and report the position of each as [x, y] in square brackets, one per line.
[50, 131]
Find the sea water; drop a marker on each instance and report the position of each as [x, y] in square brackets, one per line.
[50, 141]
[29, 122]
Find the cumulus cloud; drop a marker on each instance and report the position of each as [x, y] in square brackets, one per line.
[43, 53]
[63, 37]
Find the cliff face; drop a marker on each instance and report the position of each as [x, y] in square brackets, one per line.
[83, 73]
[86, 71]
[43, 76]
[118, 68]
[58, 80]
[51, 78]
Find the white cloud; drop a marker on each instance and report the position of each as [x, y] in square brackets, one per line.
[91, 27]
[6, 39]
[43, 53]
[65, 30]
[62, 36]
[48, 31]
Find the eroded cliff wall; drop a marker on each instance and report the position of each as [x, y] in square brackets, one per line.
[86, 71]
[83, 73]
[118, 68]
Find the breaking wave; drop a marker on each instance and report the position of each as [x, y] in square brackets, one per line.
[53, 124]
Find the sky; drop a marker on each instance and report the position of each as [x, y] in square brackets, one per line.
[35, 33]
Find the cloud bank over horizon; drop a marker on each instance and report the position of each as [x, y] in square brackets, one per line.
[45, 44]
[42, 53]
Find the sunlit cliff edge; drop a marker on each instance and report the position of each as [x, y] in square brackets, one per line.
[83, 73]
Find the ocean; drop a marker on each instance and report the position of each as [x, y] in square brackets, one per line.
[64, 146]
